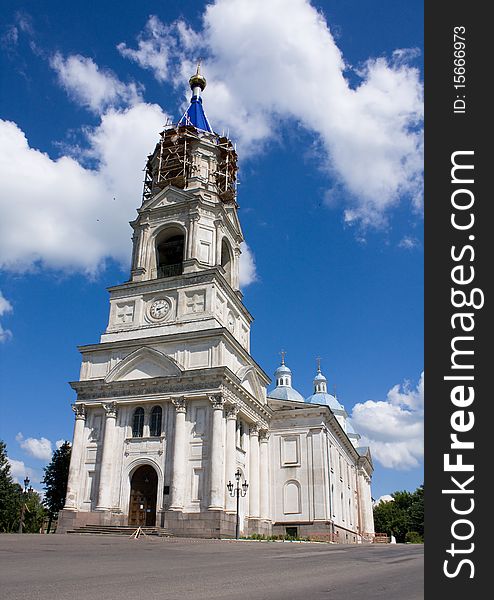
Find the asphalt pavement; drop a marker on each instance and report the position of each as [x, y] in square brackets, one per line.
[77, 567]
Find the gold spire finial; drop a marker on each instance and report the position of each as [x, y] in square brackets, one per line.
[198, 80]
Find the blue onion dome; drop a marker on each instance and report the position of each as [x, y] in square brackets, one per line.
[321, 396]
[284, 389]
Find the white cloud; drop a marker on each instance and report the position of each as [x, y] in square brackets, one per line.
[62, 215]
[247, 266]
[394, 428]
[73, 217]
[155, 44]
[60, 443]
[92, 87]
[40, 448]
[5, 307]
[19, 471]
[274, 65]
[408, 243]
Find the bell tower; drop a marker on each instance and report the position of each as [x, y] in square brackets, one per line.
[163, 394]
[187, 236]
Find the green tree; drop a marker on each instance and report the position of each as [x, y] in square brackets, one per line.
[55, 480]
[10, 495]
[403, 516]
[34, 512]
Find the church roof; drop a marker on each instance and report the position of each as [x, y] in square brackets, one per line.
[195, 115]
[325, 398]
[285, 392]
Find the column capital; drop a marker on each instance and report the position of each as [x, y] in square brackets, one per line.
[264, 435]
[180, 404]
[231, 411]
[217, 401]
[80, 411]
[110, 409]
[254, 429]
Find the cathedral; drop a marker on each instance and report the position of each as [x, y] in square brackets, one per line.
[171, 407]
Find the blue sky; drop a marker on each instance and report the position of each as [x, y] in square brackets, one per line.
[324, 101]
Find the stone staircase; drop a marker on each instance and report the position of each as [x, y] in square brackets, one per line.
[119, 530]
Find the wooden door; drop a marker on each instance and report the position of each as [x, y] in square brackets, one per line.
[143, 492]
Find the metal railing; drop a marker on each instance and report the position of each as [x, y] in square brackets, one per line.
[170, 270]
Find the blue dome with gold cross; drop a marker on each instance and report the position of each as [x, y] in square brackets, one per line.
[195, 115]
[284, 389]
[321, 395]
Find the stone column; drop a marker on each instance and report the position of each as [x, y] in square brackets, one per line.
[217, 492]
[235, 269]
[107, 458]
[193, 226]
[264, 458]
[254, 471]
[74, 483]
[179, 475]
[231, 453]
[217, 241]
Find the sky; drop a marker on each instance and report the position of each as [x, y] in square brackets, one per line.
[325, 103]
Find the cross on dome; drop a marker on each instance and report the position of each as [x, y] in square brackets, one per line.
[283, 354]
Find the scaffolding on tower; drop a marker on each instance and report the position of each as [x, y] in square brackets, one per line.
[171, 162]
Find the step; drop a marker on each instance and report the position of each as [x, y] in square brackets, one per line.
[118, 530]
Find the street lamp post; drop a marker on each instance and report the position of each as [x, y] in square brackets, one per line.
[239, 490]
[23, 506]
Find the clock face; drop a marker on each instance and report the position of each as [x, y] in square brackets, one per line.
[160, 308]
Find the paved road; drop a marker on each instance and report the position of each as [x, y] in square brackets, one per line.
[71, 567]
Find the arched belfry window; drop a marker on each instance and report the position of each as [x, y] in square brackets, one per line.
[138, 422]
[226, 260]
[170, 252]
[155, 422]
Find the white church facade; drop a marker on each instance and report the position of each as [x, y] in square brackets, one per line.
[170, 403]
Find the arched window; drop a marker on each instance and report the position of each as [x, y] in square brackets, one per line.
[170, 252]
[155, 422]
[226, 260]
[138, 422]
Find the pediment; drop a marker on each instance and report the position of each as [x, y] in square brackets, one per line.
[250, 381]
[168, 195]
[144, 363]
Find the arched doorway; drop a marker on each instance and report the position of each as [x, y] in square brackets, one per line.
[143, 493]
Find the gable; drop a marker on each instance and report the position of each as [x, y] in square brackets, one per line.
[144, 363]
[168, 195]
[250, 381]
